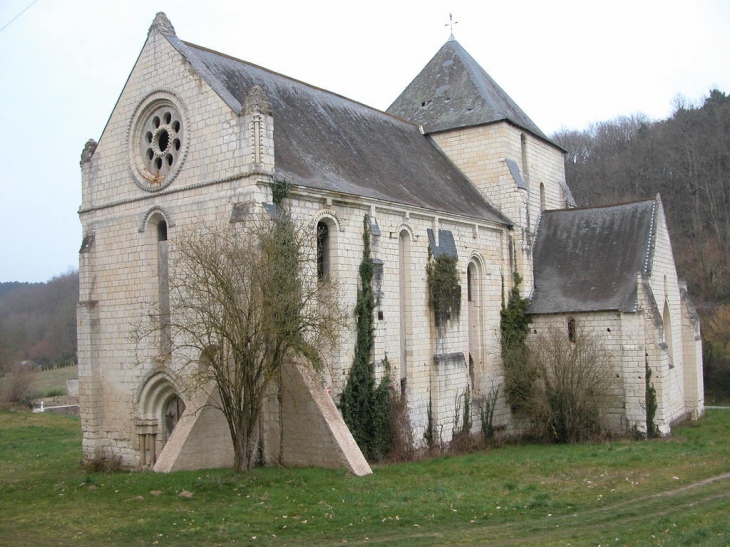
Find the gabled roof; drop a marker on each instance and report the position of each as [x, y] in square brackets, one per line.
[453, 91]
[588, 259]
[325, 141]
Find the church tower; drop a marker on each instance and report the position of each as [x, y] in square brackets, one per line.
[483, 131]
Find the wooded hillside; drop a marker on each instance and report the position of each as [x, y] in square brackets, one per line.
[685, 158]
[38, 321]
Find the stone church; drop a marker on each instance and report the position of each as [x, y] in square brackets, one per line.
[453, 166]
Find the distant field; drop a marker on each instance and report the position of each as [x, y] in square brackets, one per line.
[665, 492]
[52, 381]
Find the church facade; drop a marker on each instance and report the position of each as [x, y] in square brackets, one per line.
[453, 167]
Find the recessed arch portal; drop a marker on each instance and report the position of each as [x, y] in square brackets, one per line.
[159, 408]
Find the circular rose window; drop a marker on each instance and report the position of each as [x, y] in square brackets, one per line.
[161, 142]
[156, 141]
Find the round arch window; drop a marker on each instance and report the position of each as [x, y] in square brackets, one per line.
[156, 142]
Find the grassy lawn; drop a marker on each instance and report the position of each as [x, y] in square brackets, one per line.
[48, 383]
[52, 381]
[613, 493]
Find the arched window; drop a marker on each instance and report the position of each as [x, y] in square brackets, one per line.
[156, 245]
[572, 334]
[163, 286]
[323, 251]
[474, 298]
[523, 147]
[404, 298]
[542, 197]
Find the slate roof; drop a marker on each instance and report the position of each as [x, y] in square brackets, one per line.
[325, 141]
[453, 91]
[588, 259]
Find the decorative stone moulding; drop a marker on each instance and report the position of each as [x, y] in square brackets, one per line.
[328, 214]
[157, 142]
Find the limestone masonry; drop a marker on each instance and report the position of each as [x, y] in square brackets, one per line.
[453, 166]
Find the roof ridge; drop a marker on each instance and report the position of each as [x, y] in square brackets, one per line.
[589, 207]
[297, 81]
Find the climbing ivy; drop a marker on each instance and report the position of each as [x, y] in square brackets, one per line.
[428, 434]
[279, 190]
[651, 404]
[520, 376]
[444, 289]
[365, 407]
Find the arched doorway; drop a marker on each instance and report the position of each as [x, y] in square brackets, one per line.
[159, 409]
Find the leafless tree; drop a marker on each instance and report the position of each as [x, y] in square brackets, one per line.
[244, 299]
[572, 385]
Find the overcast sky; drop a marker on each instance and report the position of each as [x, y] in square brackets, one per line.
[63, 64]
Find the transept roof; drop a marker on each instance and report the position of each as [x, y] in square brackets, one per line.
[588, 259]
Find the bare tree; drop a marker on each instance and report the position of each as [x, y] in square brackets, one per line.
[244, 299]
[572, 385]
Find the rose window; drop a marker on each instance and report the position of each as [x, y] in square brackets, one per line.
[161, 142]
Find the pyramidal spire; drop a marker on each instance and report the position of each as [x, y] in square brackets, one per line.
[162, 24]
[453, 91]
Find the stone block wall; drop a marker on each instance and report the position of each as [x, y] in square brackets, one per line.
[119, 276]
[425, 382]
[668, 355]
[608, 329]
[219, 168]
[480, 152]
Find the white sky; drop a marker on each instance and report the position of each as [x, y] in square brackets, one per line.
[63, 64]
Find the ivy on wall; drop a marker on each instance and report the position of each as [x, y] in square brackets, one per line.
[515, 326]
[651, 404]
[279, 190]
[365, 407]
[444, 289]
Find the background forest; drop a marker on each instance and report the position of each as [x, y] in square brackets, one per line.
[38, 322]
[685, 158]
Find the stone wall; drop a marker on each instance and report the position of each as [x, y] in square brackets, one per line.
[481, 153]
[607, 329]
[120, 270]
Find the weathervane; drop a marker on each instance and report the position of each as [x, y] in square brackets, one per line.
[451, 24]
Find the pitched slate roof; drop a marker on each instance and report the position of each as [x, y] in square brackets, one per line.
[325, 141]
[588, 259]
[453, 91]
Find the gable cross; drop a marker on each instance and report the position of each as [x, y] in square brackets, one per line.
[451, 24]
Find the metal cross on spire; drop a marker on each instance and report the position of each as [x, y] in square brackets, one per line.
[451, 24]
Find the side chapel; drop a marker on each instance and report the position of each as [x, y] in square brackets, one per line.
[453, 166]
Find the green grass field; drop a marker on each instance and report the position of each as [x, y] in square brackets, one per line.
[52, 381]
[666, 492]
